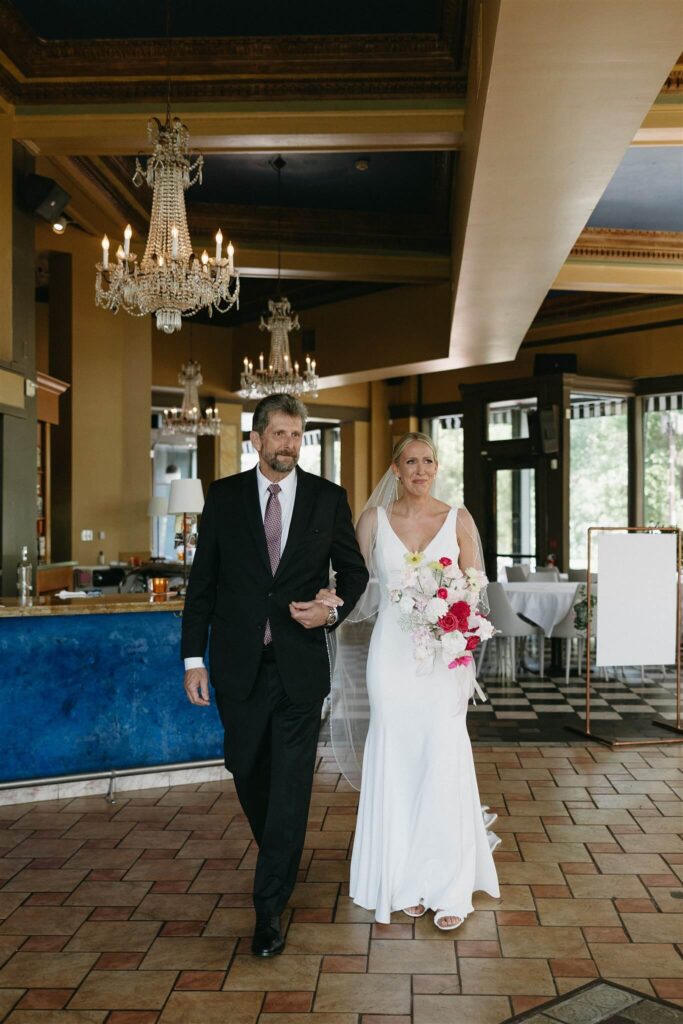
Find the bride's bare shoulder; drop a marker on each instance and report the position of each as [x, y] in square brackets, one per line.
[367, 518]
[440, 507]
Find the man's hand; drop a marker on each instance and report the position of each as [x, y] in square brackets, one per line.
[309, 614]
[329, 598]
[197, 687]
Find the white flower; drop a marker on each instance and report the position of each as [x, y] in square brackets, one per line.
[453, 643]
[421, 653]
[435, 609]
[427, 581]
[394, 596]
[408, 578]
[486, 629]
[406, 604]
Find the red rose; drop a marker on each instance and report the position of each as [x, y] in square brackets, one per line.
[448, 622]
[461, 610]
[445, 562]
[442, 593]
[472, 642]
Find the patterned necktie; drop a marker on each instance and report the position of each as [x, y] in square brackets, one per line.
[272, 524]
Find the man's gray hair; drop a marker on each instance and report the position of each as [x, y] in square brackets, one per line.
[287, 404]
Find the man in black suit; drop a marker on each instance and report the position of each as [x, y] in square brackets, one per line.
[266, 541]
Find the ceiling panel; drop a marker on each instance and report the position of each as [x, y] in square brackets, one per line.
[646, 192]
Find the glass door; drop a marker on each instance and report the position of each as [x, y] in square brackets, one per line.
[513, 540]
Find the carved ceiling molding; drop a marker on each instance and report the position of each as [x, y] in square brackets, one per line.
[391, 65]
[674, 82]
[619, 244]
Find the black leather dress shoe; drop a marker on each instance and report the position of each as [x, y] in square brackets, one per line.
[267, 940]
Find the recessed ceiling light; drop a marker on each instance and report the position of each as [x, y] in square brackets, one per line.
[362, 165]
[59, 225]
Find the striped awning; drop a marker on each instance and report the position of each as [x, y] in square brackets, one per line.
[664, 403]
[587, 409]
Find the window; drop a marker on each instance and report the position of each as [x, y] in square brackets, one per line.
[663, 460]
[448, 435]
[598, 474]
[509, 420]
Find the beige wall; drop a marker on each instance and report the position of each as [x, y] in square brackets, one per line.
[110, 391]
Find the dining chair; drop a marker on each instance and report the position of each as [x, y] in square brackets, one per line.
[547, 574]
[581, 576]
[510, 627]
[518, 573]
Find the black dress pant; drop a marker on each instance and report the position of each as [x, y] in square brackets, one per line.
[270, 748]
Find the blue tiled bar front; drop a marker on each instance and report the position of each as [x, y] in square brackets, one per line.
[96, 686]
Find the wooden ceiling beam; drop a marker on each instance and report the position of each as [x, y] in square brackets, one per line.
[251, 129]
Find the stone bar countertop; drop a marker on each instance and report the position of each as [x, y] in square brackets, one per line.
[107, 604]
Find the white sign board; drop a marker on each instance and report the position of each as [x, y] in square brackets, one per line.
[636, 599]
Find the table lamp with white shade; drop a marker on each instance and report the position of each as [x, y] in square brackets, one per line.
[186, 499]
[157, 510]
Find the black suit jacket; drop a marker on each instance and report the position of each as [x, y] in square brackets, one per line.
[232, 591]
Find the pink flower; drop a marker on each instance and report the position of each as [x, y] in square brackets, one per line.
[445, 562]
[464, 659]
[448, 622]
[442, 593]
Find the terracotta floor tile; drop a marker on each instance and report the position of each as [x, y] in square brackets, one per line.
[46, 847]
[196, 848]
[551, 892]
[477, 947]
[313, 916]
[654, 927]
[636, 907]
[613, 935]
[209, 881]
[542, 942]
[565, 968]
[606, 886]
[173, 929]
[45, 999]
[579, 869]
[522, 1003]
[642, 960]
[506, 977]
[108, 894]
[387, 957]
[115, 936]
[212, 1008]
[519, 917]
[46, 970]
[392, 931]
[133, 1017]
[154, 839]
[314, 894]
[667, 879]
[57, 1017]
[327, 938]
[162, 870]
[45, 899]
[160, 907]
[8, 998]
[102, 859]
[345, 964]
[530, 873]
[668, 988]
[44, 921]
[203, 981]
[577, 912]
[457, 1009]
[630, 863]
[44, 943]
[226, 921]
[124, 990]
[287, 1002]
[118, 961]
[436, 984]
[189, 953]
[59, 880]
[110, 914]
[282, 973]
[363, 993]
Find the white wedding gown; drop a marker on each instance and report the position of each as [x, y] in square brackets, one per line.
[420, 836]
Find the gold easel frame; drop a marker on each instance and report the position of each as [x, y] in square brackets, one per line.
[662, 723]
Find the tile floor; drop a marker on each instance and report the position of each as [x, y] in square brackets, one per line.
[139, 913]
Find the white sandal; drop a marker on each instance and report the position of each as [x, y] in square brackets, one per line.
[494, 841]
[439, 916]
[409, 913]
[488, 818]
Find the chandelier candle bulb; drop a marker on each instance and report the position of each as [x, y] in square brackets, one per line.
[105, 253]
[260, 362]
[174, 242]
[308, 364]
[205, 261]
[219, 245]
[127, 235]
[231, 253]
[313, 366]
[120, 254]
[296, 368]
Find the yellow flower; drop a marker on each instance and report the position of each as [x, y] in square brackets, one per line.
[435, 566]
[414, 558]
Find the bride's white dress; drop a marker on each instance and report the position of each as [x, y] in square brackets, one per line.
[420, 836]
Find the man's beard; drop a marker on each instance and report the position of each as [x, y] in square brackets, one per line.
[278, 465]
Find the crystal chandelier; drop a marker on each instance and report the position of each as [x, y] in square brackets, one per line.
[169, 280]
[281, 375]
[188, 419]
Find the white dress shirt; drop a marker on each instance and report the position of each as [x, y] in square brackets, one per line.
[286, 498]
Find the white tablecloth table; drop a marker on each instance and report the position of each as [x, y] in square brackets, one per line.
[546, 604]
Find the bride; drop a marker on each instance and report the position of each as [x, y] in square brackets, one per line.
[421, 841]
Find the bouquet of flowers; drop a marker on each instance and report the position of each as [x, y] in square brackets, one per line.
[438, 605]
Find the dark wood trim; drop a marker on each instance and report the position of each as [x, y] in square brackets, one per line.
[636, 468]
[607, 332]
[658, 385]
[436, 409]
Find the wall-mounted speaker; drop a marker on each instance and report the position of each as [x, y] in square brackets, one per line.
[554, 362]
[43, 196]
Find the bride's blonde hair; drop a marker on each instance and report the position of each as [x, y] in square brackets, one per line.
[412, 435]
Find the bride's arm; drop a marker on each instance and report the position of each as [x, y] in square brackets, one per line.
[366, 530]
[471, 555]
